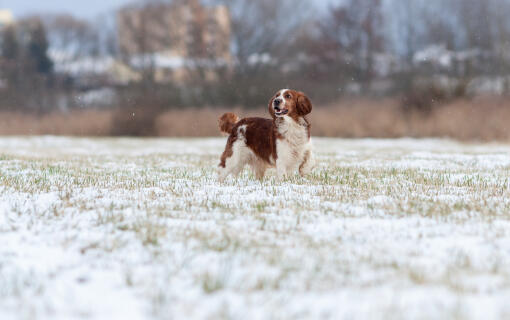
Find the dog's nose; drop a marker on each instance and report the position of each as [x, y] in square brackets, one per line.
[277, 102]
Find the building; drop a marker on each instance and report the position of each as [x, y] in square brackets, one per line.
[172, 39]
[6, 18]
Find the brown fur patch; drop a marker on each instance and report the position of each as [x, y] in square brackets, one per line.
[260, 137]
[303, 104]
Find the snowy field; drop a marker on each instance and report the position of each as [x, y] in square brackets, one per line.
[140, 229]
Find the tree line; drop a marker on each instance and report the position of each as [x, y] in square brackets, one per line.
[349, 47]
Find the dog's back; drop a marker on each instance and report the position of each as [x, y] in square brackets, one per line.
[258, 135]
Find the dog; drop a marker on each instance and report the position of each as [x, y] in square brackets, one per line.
[282, 142]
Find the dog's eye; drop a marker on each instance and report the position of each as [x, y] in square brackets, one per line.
[288, 96]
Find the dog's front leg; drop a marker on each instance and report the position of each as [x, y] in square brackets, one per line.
[281, 169]
[308, 163]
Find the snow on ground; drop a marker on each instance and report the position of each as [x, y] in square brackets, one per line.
[140, 229]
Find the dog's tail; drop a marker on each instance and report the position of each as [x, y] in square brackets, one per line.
[227, 122]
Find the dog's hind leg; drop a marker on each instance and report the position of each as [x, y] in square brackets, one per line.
[233, 160]
[223, 169]
[259, 168]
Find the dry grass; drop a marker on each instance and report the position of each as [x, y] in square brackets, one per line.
[482, 118]
[76, 123]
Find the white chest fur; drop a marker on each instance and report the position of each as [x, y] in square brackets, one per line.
[292, 145]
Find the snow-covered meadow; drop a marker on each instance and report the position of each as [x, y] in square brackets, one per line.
[140, 229]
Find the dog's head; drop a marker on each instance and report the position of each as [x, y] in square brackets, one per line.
[290, 103]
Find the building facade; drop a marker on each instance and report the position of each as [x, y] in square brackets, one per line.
[6, 18]
[173, 39]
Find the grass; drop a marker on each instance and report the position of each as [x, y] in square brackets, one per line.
[381, 227]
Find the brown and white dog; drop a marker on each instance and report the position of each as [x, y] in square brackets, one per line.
[283, 142]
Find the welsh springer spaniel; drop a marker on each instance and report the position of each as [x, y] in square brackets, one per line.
[283, 142]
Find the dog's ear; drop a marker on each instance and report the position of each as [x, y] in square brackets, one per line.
[304, 105]
[270, 108]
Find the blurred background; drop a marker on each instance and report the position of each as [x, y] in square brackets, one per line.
[373, 68]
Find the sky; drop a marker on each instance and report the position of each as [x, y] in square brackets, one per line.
[81, 8]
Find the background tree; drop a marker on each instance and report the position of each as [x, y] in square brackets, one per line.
[263, 35]
[10, 46]
[28, 68]
[349, 38]
[10, 50]
[9, 72]
[37, 48]
[71, 36]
